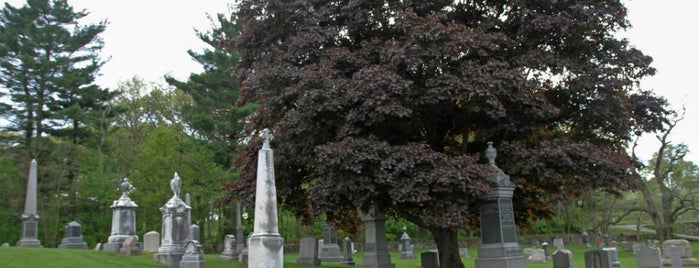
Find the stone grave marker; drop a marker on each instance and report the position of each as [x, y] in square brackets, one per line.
[123, 218]
[193, 256]
[685, 252]
[130, 246]
[538, 255]
[558, 243]
[429, 259]
[527, 252]
[563, 258]
[30, 219]
[648, 257]
[308, 253]
[229, 250]
[98, 247]
[73, 237]
[597, 259]
[5, 245]
[613, 256]
[406, 249]
[675, 258]
[463, 252]
[151, 241]
[585, 239]
[347, 250]
[175, 229]
[627, 246]
[194, 232]
[329, 249]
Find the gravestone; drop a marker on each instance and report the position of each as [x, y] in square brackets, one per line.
[538, 255]
[130, 246]
[463, 252]
[98, 247]
[329, 249]
[151, 241]
[375, 246]
[558, 243]
[266, 246]
[5, 245]
[527, 252]
[648, 257]
[73, 237]
[627, 246]
[613, 256]
[30, 219]
[308, 253]
[175, 230]
[243, 257]
[229, 249]
[194, 232]
[123, 218]
[585, 239]
[675, 258]
[193, 256]
[545, 246]
[685, 252]
[499, 247]
[563, 258]
[429, 259]
[406, 249]
[637, 246]
[597, 259]
[348, 250]
[239, 234]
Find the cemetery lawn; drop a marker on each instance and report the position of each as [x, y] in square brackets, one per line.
[14, 257]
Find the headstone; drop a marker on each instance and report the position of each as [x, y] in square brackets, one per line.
[243, 257]
[194, 232]
[193, 256]
[538, 255]
[329, 249]
[348, 250]
[30, 219]
[123, 218]
[558, 243]
[375, 246]
[229, 249]
[613, 256]
[266, 246]
[499, 247]
[613, 244]
[72, 237]
[98, 247]
[627, 246]
[545, 247]
[429, 259]
[240, 242]
[151, 241]
[675, 258]
[648, 257]
[636, 247]
[5, 245]
[597, 259]
[685, 250]
[527, 252]
[406, 249]
[463, 252]
[563, 258]
[130, 246]
[308, 253]
[585, 239]
[175, 230]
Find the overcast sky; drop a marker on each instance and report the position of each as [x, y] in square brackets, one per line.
[150, 38]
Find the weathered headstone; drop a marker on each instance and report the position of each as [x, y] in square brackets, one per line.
[527, 252]
[545, 247]
[648, 257]
[538, 255]
[348, 250]
[675, 258]
[406, 249]
[563, 258]
[375, 246]
[123, 218]
[597, 259]
[329, 249]
[194, 232]
[266, 246]
[5, 245]
[73, 237]
[175, 229]
[130, 246]
[308, 253]
[685, 252]
[637, 246]
[151, 241]
[613, 256]
[499, 247]
[98, 247]
[627, 246]
[585, 239]
[558, 243]
[429, 259]
[193, 256]
[463, 252]
[229, 249]
[30, 219]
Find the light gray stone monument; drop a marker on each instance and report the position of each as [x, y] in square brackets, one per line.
[538, 255]
[597, 259]
[123, 219]
[675, 258]
[229, 253]
[98, 247]
[308, 253]
[151, 241]
[130, 246]
[348, 250]
[648, 257]
[30, 219]
[406, 249]
[329, 249]
[499, 247]
[429, 259]
[558, 243]
[613, 256]
[685, 250]
[375, 246]
[265, 243]
[5, 245]
[194, 231]
[175, 230]
[73, 237]
[563, 258]
[193, 256]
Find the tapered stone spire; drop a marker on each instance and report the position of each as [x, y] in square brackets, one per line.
[265, 244]
[30, 219]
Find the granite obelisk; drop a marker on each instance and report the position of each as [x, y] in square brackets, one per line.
[265, 244]
[30, 220]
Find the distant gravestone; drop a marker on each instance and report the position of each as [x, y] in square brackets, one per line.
[527, 252]
[193, 256]
[98, 247]
[597, 259]
[637, 246]
[130, 247]
[648, 257]
[463, 252]
[406, 249]
[376, 253]
[123, 218]
[308, 253]
[30, 219]
[429, 259]
[5, 245]
[685, 252]
[627, 246]
[73, 237]
[347, 250]
[563, 259]
[558, 243]
[194, 232]
[585, 239]
[175, 230]
[613, 256]
[329, 249]
[151, 241]
[229, 249]
[538, 255]
[675, 258]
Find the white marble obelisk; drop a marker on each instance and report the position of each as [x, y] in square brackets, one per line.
[265, 245]
[30, 220]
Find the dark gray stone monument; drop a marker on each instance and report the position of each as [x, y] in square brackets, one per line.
[406, 249]
[648, 257]
[73, 237]
[266, 246]
[329, 250]
[193, 256]
[585, 239]
[151, 241]
[375, 246]
[308, 252]
[563, 258]
[30, 219]
[175, 230]
[597, 259]
[123, 219]
[499, 247]
[348, 251]
[229, 249]
[429, 259]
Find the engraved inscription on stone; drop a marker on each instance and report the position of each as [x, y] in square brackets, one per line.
[490, 217]
[507, 221]
[30, 229]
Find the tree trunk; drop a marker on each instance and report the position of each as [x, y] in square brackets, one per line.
[448, 246]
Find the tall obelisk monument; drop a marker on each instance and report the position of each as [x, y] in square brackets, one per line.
[30, 220]
[265, 245]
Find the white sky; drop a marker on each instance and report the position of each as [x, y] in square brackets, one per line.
[150, 38]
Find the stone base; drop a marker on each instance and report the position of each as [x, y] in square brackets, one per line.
[374, 260]
[685, 262]
[171, 259]
[82, 245]
[347, 262]
[308, 261]
[330, 253]
[505, 262]
[111, 247]
[228, 256]
[407, 255]
[265, 251]
[29, 243]
[193, 262]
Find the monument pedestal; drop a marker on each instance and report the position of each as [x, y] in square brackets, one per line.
[375, 248]
[174, 232]
[30, 224]
[123, 219]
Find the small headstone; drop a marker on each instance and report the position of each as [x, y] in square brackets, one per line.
[527, 252]
[613, 256]
[558, 243]
[307, 252]
[73, 237]
[675, 258]
[151, 241]
[585, 239]
[243, 257]
[538, 255]
[347, 250]
[648, 257]
[563, 259]
[636, 247]
[463, 252]
[627, 246]
[229, 249]
[597, 259]
[130, 247]
[429, 259]
[194, 232]
[98, 247]
[193, 256]
[5, 245]
[685, 250]
[406, 249]
[613, 244]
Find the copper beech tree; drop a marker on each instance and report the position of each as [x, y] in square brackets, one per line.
[389, 105]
